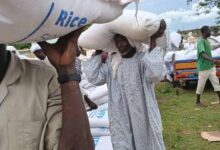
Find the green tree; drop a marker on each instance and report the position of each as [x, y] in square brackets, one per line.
[207, 5]
[22, 46]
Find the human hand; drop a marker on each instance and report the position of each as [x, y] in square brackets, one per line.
[217, 62]
[63, 53]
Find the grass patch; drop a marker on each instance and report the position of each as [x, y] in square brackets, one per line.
[182, 122]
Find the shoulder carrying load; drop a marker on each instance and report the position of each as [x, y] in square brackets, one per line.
[138, 28]
[25, 21]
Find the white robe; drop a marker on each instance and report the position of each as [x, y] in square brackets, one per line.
[135, 121]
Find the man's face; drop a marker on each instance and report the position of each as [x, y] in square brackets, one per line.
[208, 33]
[161, 29]
[40, 54]
[122, 44]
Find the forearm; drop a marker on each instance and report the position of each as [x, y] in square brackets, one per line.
[216, 46]
[207, 57]
[75, 133]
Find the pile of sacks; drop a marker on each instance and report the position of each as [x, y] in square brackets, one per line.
[98, 119]
[187, 55]
[99, 126]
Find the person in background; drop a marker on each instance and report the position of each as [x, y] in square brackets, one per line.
[176, 45]
[78, 62]
[206, 65]
[215, 31]
[135, 121]
[37, 112]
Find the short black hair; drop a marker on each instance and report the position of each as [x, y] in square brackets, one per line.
[204, 29]
[2, 47]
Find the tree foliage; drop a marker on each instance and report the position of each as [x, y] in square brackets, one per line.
[207, 6]
[22, 46]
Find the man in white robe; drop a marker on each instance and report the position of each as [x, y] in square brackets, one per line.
[135, 121]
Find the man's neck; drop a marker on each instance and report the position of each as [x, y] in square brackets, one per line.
[5, 58]
[204, 37]
[130, 53]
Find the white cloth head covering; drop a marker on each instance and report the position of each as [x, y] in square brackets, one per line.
[35, 47]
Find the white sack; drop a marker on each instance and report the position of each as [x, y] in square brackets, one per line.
[216, 53]
[102, 100]
[103, 143]
[85, 84]
[180, 55]
[100, 131]
[98, 92]
[26, 21]
[122, 1]
[98, 118]
[103, 106]
[175, 39]
[100, 36]
[99, 101]
[35, 47]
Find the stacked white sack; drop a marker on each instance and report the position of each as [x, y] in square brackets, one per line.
[99, 122]
[140, 28]
[187, 55]
[98, 94]
[102, 131]
[98, 118]
[47, 19]
[103, 143]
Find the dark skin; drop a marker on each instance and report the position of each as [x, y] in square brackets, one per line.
[122, 44]
[4, 61]
[40, 54]
[75, 133]
[158, 34]
[206, 35]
